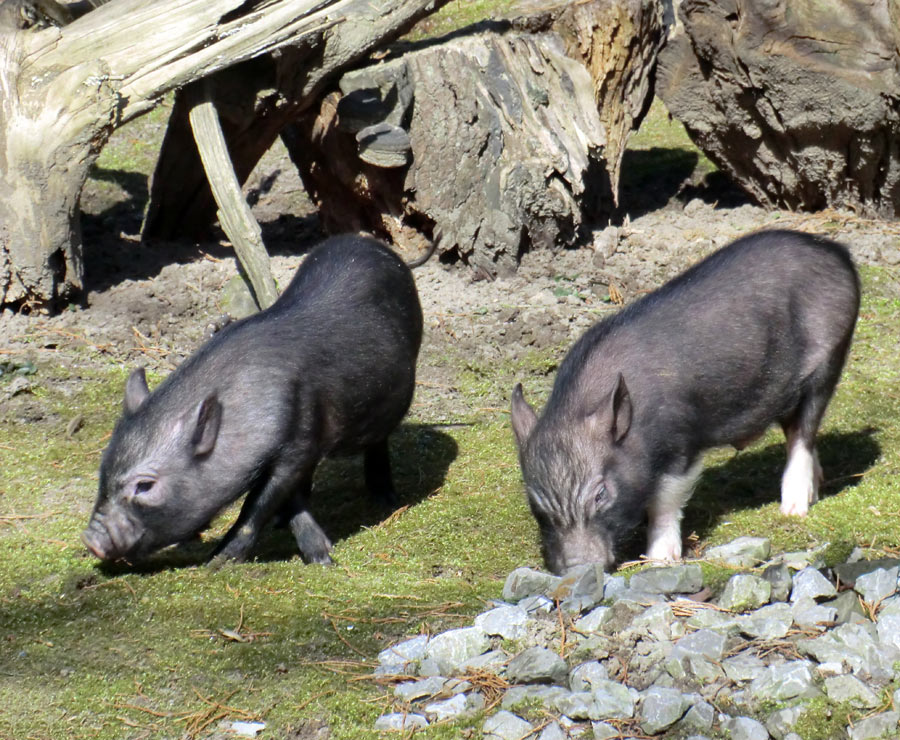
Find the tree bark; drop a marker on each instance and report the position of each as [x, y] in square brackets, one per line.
[63, 90]
[255, 102]
[799, 102]
[513, 133]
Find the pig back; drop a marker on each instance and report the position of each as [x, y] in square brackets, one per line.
[729, 346]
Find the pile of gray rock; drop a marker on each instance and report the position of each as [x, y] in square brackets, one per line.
[594, 655]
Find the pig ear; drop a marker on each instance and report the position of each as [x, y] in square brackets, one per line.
[523, 416]
[209, 415]
[136, 390]
[621, 410]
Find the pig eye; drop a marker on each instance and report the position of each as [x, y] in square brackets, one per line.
[601, 494]
[143, 486]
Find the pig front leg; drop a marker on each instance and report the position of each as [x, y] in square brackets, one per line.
[665, 511]
[261, 504]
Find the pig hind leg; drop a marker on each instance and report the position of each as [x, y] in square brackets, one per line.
[379, 481]
[665, 511]
[802, 474]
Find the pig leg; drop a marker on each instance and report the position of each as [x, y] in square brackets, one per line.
[665, 511]
[803, 474]
[377, 465]
[262, 502]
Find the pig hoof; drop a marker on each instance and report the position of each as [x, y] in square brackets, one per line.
[666, 548]
[794, 508]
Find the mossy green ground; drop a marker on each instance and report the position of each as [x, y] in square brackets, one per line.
[171, 648]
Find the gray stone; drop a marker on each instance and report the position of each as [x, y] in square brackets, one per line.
[431, 686]
[851, 690]
[745, 592]
[608, 700]
[785, 681]
[619, 616]
[878, 585]
[553, 731]
[813, 558]
[398, 658]
[659, 623]
[855, 645]
[591, 621]
[882, 725]
[460, 705]
[807, 613]
[604, 731]
[809, 582]
[779, 576]
[492, 660]
[537, 665]
[613, 587]
[699, 718]
[661, 708]
[780, 722]
[848, 572]
[537, 604]
[707, 643]
[743, 552]
[505, 726]
[582, 677]
[848, 608]
[715, 620]
[450, 650]
[673, 579]
[519, 697]
[582, 583]
[771, 622]
[744, 728]
[237, 300]
[743, 667]
[524, 582]
[888, 630]
[507, 622]
[397, 721]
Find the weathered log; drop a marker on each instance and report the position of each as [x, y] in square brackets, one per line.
[799, 102]
[255, 101]
[507, 149]
[63, 90]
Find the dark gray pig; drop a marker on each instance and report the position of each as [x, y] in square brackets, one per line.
[329, 369]
[754, 334]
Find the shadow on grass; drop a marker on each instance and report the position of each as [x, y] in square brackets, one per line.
[750, 480]
[753, 480]
[341, 504]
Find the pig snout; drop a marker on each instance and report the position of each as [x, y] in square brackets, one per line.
[578, 546]
[111, 537]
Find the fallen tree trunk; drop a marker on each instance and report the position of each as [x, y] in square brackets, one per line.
[799, 102]
[497, 142]
[63, 90]
[255, 102]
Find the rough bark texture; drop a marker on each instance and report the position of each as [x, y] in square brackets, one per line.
[63, 90]
[255, 101]
[798, 101]
[506, 146]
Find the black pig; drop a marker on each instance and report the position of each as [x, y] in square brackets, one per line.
[754, 334]
[328, 369]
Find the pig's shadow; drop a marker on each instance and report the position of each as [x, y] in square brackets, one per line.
[341, 504]
[752, 479]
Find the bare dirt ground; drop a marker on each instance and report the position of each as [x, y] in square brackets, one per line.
[153, 304]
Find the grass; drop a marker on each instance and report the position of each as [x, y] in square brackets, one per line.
[173, 648]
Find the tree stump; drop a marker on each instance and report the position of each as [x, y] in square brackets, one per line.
[799, 102]
[494, 141]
